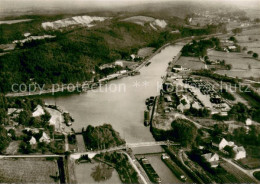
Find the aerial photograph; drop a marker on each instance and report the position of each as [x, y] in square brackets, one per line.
[129, 91]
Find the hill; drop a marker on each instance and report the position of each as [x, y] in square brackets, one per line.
[76, 52]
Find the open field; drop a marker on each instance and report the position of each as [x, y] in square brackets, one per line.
[27, 170]
[145, 52]
[249, 162]
[240, 64]
[190, 62]
[250, 39]
[12, 148]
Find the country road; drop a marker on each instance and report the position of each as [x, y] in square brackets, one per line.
[30, 156]
[136, 168]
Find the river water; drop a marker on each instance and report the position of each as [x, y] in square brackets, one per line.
[121, 103]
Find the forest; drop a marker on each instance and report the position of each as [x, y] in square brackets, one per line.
[75, 54]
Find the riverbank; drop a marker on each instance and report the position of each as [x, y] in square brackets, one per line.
[87, 85]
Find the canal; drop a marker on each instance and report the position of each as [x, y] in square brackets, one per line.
[121, 103]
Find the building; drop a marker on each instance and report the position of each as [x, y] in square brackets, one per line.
[119, 63]
[123, 71]
[175, 31]
[104, 66]
[232, 48]
[220, 144]
[11, 111]
[26, 34]
[211, 158]
[240, 152]
[132, 56]
[32, 141]
[248, 122]
[177, 68]
[168, 98]
[38, 111]
[45, 138]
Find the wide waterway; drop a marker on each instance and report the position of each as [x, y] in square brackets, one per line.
[122, 102]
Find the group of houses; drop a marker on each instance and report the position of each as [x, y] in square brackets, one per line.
[121, 63]
[225, 146]
[44, 138]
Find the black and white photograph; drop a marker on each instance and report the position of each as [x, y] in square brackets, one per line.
[129, 91]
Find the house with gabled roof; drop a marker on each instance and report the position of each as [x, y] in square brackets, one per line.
[220, 143]
[211, 158]
[38, 111]
[239, 152]
[45, 138]
[32, 141]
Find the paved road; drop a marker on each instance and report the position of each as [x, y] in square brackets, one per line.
[29, 156]
[132, 162]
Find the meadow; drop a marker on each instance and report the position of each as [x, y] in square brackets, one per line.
[28, 170]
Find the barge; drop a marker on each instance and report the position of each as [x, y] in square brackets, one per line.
[153, 176]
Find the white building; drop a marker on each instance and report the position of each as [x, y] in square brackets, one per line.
[32, 141]
[240, 152]
[248, 122]
[45, 138]
[222, 144]
[211, 158]
[38, 111]
[119, 63]
[104, 66]
[232, 47]
[123, 71]
[26, 34]
[132, 56]
[13, 111]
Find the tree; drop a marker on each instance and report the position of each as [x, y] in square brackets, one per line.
[24, 117]
[46, 116]
[228, 66]
[3, 116]
[250, 52]
[25, 148]
[219, 128]
[184, 131]
[239, 112]
[249, 67]
[12, 132]
[255, 55]
[4, 139]
[102, 172]
[232, 38]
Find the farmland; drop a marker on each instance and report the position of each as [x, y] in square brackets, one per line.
[240, 64]
[145, 52]
[191, 62]
[250, 40]
[250, 162]
[28, 170]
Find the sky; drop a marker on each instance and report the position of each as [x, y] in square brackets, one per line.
[7, 5]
